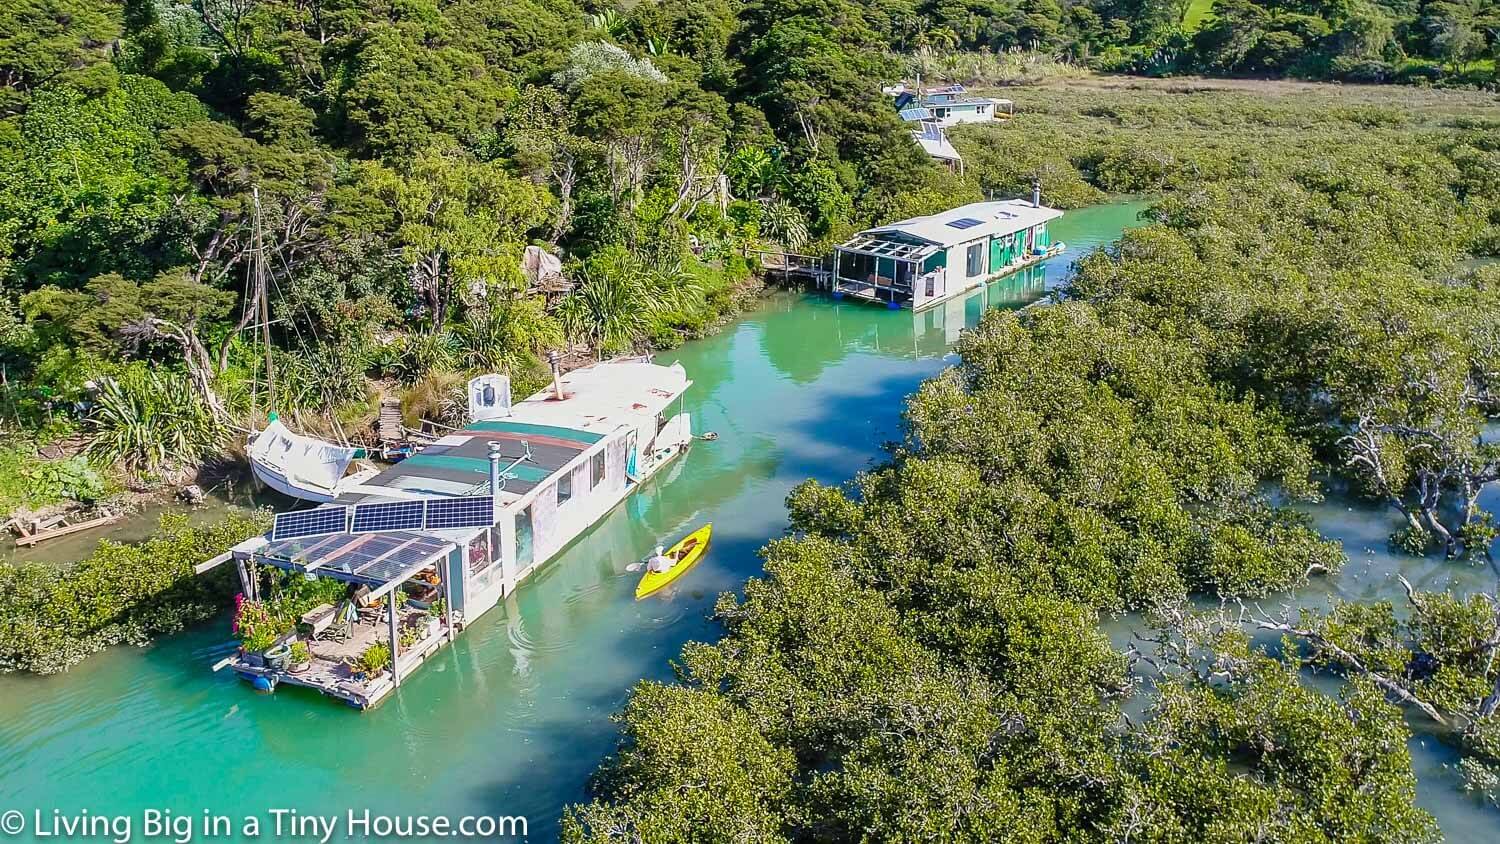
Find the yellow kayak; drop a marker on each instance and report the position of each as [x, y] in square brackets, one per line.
[686, 553]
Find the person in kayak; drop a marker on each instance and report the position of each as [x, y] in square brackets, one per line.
[660, 562]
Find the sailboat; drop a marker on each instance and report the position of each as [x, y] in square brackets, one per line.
[302, 467]
[292, 464]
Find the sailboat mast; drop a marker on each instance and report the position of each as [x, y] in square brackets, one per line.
[265, 310]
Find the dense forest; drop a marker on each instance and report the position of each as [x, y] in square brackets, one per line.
[925, 658]
[378, 168]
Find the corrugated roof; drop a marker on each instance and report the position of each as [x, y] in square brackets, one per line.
[996, 218]
[373, 559]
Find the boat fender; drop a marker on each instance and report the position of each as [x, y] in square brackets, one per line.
[263, 684]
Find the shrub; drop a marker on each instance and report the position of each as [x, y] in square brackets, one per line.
[52, 618]
[150, 422]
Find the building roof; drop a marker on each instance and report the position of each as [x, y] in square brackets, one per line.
[539, 438]
[934, 142]
[971, 222]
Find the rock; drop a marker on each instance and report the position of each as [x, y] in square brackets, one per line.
[191, 494]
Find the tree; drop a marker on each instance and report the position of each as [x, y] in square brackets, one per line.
[459, 223]
[42, 40]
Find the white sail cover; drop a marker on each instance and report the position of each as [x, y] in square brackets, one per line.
[304, 462]
[539, 265]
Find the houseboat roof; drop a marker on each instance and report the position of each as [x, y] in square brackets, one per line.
[599, 399]
[969, 222]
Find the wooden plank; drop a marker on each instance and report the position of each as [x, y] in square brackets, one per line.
[214, 563]
[43, 536]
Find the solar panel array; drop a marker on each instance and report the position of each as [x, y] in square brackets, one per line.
[475, 511]
[396, 515]
[426, 514]
[310, 522]
[964, 223]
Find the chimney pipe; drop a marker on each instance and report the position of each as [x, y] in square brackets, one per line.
[555, 359]
[1036, 193]
[494, 468]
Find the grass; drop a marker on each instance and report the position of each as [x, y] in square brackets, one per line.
[1198, 13]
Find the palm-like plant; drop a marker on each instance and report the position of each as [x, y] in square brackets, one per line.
[150, 421]
[502, 334]
[610, 22]
[619, 299]
[782, 222]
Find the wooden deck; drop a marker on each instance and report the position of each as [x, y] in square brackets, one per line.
[330, 671]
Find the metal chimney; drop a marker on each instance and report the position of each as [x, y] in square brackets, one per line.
[494, 468]
[1036, 193]
[555, 360]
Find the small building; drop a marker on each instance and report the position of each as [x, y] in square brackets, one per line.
[934, 141]
[460, 524]
[925, 260]
[930, 111]
[951, 105]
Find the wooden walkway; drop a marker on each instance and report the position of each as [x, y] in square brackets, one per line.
[790, 264]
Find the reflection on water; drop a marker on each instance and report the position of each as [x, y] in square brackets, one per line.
[514, 717]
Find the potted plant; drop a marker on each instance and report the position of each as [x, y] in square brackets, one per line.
[278, 655]
[300, 657]
[256, 628]
[435, 616]
[374, 660]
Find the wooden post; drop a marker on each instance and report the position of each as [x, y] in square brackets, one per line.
[239, 565]
[448, 592]
[390, 600]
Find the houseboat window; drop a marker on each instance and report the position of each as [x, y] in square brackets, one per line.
[976, 260]
[564, 487]
[596, 470]
[523, 538]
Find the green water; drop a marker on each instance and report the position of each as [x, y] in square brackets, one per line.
[513, 718]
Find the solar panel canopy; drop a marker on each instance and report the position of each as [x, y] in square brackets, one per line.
[426, 514]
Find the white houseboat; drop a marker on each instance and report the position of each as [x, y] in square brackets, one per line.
[433, 542]
[919, 262]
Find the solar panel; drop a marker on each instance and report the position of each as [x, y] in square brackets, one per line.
[395, 515]
[964, 223]
[318, 520]
[470, 511]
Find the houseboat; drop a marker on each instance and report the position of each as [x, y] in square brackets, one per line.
[919, 262]
[430, 544]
